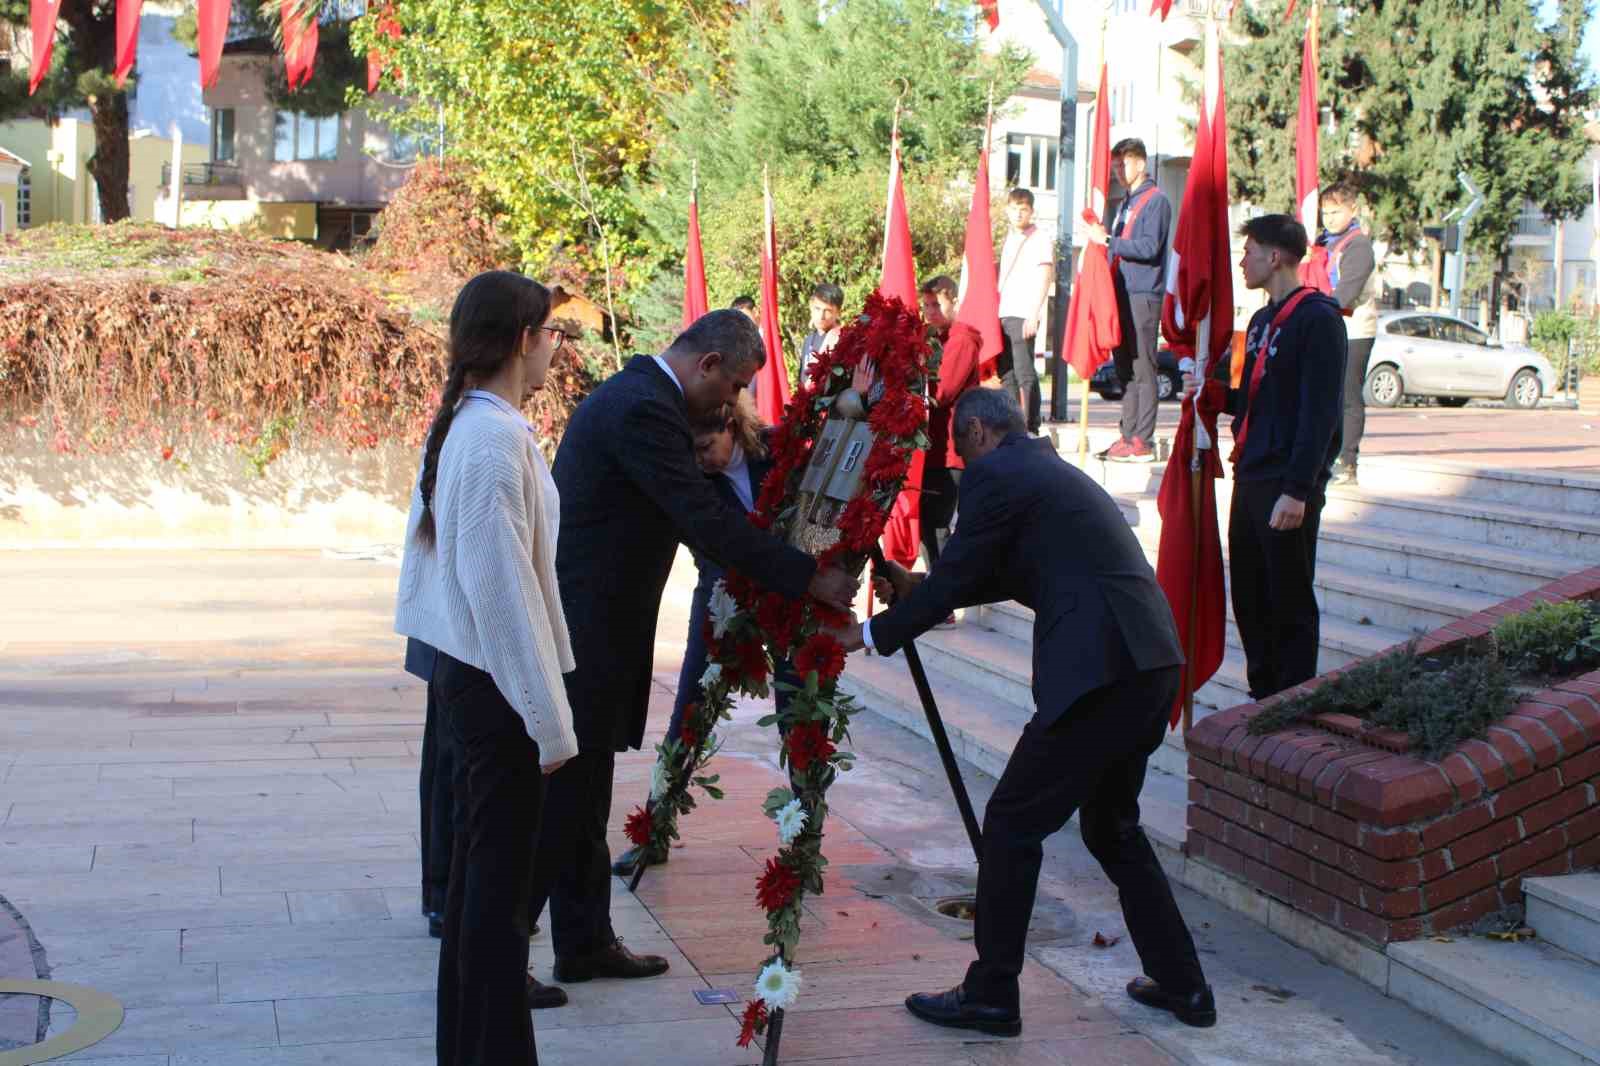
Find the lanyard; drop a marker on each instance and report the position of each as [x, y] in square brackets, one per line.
[1263, 348]
[1133, 216]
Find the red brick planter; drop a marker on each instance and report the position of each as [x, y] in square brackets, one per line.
[1340, 823]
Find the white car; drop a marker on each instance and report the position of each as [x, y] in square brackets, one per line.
[1420, 353]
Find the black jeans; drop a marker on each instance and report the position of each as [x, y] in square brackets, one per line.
[572, 869]
[1091, 759]
[1355, 399]
[940, 487]
[435, 787]
[1136, 363]
[1274, 599]
[1022, 378]
[483, 1017]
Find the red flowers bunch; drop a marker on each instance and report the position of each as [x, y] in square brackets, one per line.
[887, 463]
[862, 523]
[753, 1022]
[808, 742]
[778, 619]
[637, 828]
[821, 653]
[899, 414]
[752, 662]
[776, 886]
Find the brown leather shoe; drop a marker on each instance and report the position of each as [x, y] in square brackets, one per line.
[1196, 1008]
[542, 996]
[613, 960]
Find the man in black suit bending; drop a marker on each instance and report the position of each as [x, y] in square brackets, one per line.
[1106, 666]
[630, 494]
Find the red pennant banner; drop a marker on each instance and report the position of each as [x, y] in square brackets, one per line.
[127, 37]
[42, 23]
[213, 17]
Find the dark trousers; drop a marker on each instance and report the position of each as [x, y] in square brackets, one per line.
[1136, 363]
[436, 790]
[1091, 759]
[1274, 601]
[940, 486]
[573, 864]
[1355, 399]
[483, 1015]
[1022, 378]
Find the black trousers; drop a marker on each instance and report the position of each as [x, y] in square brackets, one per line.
[1355, 399]
[483, 1017]
[1022, 378]
[435, 787]
[940, 486]
[1092, 760]
[1274, 599]
[1135, 360]
[573, 863]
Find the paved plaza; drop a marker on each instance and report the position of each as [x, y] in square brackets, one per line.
[208, 787]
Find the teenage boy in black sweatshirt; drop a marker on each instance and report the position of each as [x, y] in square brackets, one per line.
[1286, 430]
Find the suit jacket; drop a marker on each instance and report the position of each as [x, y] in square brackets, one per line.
[630, 493]
[1036, 530]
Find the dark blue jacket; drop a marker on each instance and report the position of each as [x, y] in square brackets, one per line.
[1142, 250]
[1036, 530]
[1297, 420]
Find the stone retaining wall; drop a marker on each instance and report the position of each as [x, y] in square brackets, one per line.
[1389, 846]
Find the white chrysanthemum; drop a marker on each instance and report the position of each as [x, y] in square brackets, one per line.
[658, 780]
[712, 675]
[778, 987]
[723, 607]
[791, 819]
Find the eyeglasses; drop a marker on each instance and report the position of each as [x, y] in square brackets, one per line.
[558, 333]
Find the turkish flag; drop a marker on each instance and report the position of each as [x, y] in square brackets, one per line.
[772, 380]
[901, 536]
[980, 282]
[300, 38]
[213, 19]
[1093, 329]
[1307, 182]
[694, 267]
[127, 37]
[991, 13]
[1198, 322]
[42, 23]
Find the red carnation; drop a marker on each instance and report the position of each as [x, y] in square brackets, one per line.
[831, 617]
[821, 653]
[776, 886]
[755, 1021]
[899, 415]
[637, 828]
[862, 523]
[808, 742]
[687, 734]
[752, 662]
[886, 463]
[778, 618]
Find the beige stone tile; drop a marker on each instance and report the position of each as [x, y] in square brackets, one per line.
[152, 948]
[347, 1019]
[150, 756]
[108, 831]
[22, 859]
[348, 734]
[258, 766]
[371, 937]
[412, 1052]
[1122, 1050]
[300, 827]
[707, 1042]
[137, 983]
[165, 1030]
[317, 876]
[309, 907]
[264, 785]
[109, 792]
[162, 912]
[413, 970]
[253, 732]
[362, 749]
[258, 850]
[111, 887]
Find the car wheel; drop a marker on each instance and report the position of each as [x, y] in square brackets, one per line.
[1384, 386]
[1453, 401]
[1524, 391]
[1166, 388]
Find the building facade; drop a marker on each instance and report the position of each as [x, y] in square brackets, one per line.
[56, 186]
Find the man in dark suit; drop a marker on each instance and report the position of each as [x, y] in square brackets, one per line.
[1106, 665]
[630, 494]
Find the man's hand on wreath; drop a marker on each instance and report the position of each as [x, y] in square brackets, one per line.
[849, 637]
[834, 587]
[892, 582]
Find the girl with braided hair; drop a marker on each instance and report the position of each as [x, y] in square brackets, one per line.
[478, 582]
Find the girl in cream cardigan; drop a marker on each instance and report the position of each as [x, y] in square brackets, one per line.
[478, 583]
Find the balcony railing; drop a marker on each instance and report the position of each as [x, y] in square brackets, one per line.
[204, 174]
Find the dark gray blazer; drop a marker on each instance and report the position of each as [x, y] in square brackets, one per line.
[630, 493]
[1035, 529]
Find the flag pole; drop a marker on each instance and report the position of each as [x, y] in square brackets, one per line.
[1083, 385]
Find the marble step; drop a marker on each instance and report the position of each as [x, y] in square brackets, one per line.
[1528, 1000]
[1566, 912]
[1546, 491]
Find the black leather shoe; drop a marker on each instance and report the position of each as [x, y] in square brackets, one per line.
[1198, 1009]
[435, 925]
[625, 863]
[953, 1010]
[542, 996]
[613, 960]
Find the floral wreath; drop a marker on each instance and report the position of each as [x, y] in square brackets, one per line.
[750, 629]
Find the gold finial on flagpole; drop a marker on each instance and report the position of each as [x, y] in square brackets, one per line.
[899, 101]
[694, 175]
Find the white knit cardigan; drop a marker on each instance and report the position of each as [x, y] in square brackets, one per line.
[486, 592]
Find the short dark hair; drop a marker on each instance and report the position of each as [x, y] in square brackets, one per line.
[1130, 146]
[995, 408]
[1282, 232]
[1341, 192]
[742, 302]
[723, 330]
[1019, 195]
[940, 285]
[828, 293]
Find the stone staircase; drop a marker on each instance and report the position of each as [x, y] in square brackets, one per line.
[1419, 544]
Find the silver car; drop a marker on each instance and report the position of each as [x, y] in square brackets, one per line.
[1419, 353]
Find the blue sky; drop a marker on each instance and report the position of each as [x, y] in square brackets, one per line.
[1591, 40]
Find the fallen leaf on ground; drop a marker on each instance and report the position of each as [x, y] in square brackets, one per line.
[1514, 934]
[1103, 941]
